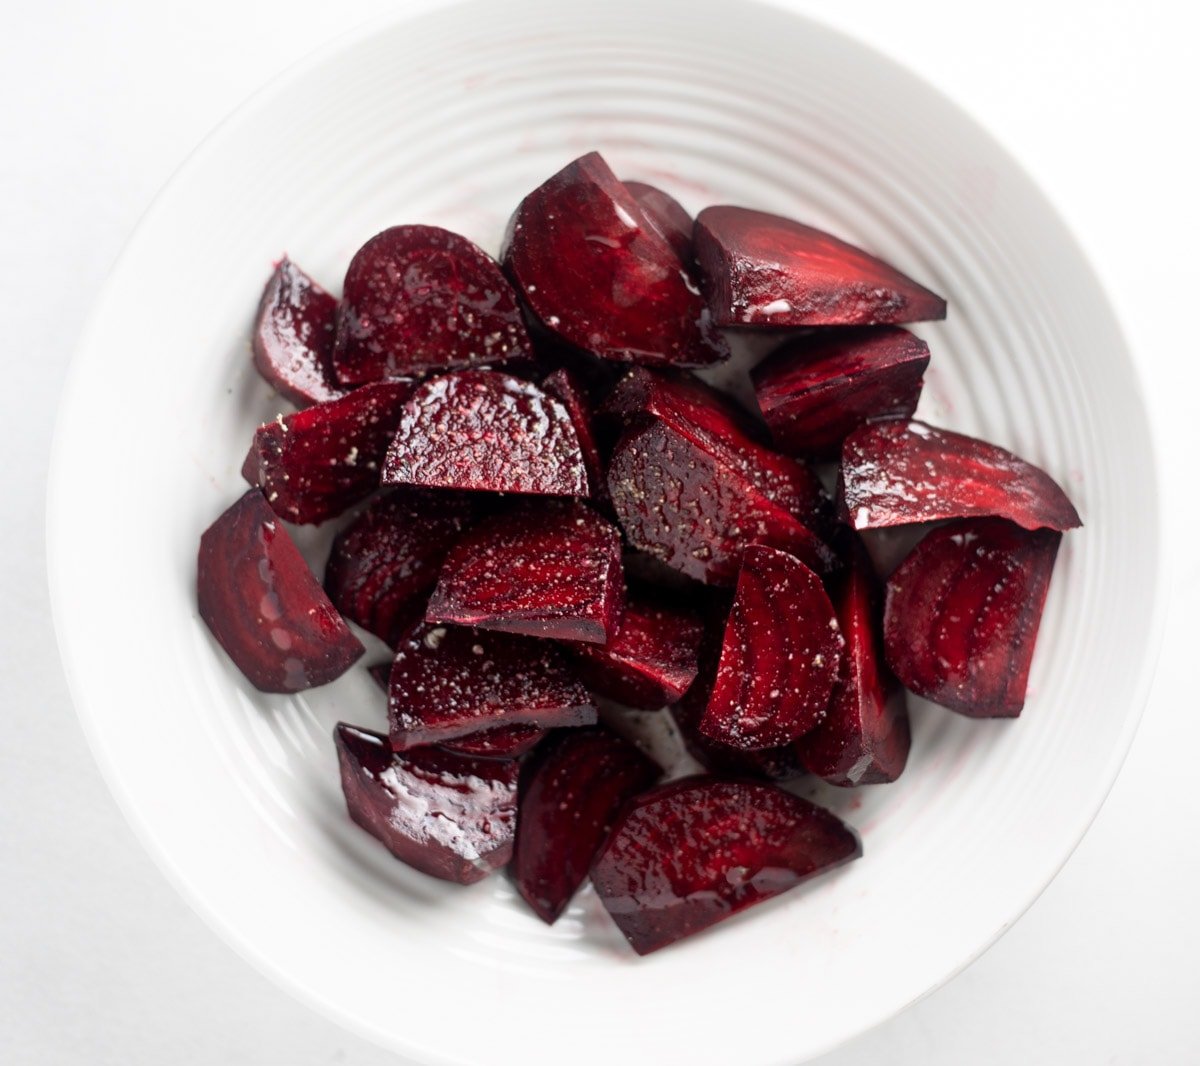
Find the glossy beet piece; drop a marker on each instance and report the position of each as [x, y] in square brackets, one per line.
[446, 815]
[449, 682]
[962, 614]
[262, 603]
[666, 216]
[816, 390]
[569, 801]
[566, 387]
[897, 473]
[314, 464]
[865, 738]
[651, 660]
[546, 570]
[486, 431]
[764, 270]
[779, 658]
[385, 563]
[679, 503]
[595, 271]
[420, 298]
[694, 852]
[293, 337]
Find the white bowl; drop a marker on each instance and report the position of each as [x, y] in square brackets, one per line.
[449, 116]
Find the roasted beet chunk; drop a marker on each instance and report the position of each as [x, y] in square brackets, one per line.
[487, 431]
[962, 614]
[449, 682]
[569, 800]
[816, 390]
[262, 603]
[446, 815]
[315, 463]
[666, 216]
[864, 739]
[385, 563]
[764, 270]
[595, 271]
[421, 298]
[548, 570]
[898, 473]
[779, 658]
[566, 387]
[691, 853]
[293, 337]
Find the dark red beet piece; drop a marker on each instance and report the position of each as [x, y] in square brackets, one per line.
[314, 464]
[293, 337]
[779, 658]
[651, 660]
[764, 270]
[566, 387]
[385, 563]
[569, 800]
[680, 504]
[594, 270]
[421, 298]
[666, 216]
[486, 431]
[546, 570]
[962, 614]
[449, 682]
[865, 738]
[262, 603]
[897, 473]
[816, 390]
[694, 852]
[443, 814]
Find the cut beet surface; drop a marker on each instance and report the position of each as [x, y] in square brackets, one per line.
[385, 563]
[446, 815]
[666, 216]
[898, 473]
[651, 660]
[421, 298]
[571, 796]
[865, 738]
[449, 682]
[486, 431]
[962, 614]
[548, 570]
[765, 270]
[594, 270]
[816, 390]
[262, 603]
[293, 337]
[566, 387]
[694, 852]
[779, 657]
[314, 464]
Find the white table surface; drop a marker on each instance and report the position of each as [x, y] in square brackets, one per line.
[101, 963]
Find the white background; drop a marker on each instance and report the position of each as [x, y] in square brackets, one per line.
[100, 962]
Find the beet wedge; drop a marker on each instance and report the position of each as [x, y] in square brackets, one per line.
[448, 682]
[765, 270]
[293, 337]
[779, 657]
[694, 852]
[546, 570]
[446, 815]
[314, 464]
[898, 473]
[595, 271]
[570, 798]
[864, 740]
[816, 390]
[666, 216]
[486, 431]
[420, 298]
[650, 661]
[383, 565]
[566, 387]
[262, 603]
[962, 614]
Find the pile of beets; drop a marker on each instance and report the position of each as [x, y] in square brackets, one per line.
[550, 511]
